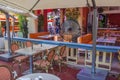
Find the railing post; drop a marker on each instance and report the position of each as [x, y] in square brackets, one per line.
[94, 29]
[8, 32]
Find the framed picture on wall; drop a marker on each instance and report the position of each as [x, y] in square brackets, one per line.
[102, 21]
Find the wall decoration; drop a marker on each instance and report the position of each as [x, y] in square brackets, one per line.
[72, 13]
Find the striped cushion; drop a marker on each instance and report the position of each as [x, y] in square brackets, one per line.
[41, 63]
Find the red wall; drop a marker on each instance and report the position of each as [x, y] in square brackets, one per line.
[45, 19]
[84, 20]
[38, 12]
[114, 19]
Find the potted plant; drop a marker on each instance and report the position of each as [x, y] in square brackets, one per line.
[40, 22]
[23, 26]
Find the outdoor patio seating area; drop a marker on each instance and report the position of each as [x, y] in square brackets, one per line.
[54, 59]
[59, 40]
[64, 63]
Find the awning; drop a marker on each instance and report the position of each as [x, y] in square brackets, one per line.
[26, 5]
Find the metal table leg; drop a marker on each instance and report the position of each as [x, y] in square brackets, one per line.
[31, 63]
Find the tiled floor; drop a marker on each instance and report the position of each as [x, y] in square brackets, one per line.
[68, 72]
[115, 67]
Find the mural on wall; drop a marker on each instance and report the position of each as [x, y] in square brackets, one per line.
[72, 13]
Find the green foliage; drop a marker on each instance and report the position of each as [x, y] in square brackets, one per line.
[21, 20]
[40, 20]
[23, 25]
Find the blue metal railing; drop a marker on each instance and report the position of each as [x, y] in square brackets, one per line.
[72, 45]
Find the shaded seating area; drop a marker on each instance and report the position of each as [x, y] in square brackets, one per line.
[58, 57]
[43, 51]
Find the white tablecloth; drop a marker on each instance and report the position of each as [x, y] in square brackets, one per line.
[39, 76]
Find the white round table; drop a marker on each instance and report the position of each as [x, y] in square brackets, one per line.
[43, 76]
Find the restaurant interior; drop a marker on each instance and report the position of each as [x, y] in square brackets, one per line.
[59, 43]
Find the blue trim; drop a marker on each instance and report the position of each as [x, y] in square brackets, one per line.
[72, 45]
